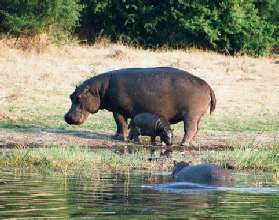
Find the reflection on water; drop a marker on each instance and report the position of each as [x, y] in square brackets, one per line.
[112, 195]
[189, 188]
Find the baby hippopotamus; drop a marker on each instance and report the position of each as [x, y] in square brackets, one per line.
[206, 173]
[148, 124]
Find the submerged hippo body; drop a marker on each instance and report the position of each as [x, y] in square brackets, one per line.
[171, 93]
[148, 124]
[210, 174]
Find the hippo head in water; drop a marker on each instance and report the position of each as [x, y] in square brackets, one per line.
[178, 166]
[84, 101]
[204, 173]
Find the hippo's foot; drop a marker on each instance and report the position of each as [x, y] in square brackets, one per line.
[116, 136]
[191, 144]
[185, 144]
[119, 137]
[194, 144]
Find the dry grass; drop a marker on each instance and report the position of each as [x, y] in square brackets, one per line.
[35, 86]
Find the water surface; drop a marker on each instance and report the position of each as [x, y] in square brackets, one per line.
[123, 195]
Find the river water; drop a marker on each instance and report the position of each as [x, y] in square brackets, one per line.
[133, 195]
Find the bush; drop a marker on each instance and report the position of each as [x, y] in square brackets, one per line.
[31, 17]
[270, 11]
[229, 26]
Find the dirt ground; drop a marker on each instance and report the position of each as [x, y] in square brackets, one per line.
[205, 140]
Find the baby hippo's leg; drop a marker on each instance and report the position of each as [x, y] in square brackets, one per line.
[134, 132]
[153, 140]
[131, 134]
[136, 135]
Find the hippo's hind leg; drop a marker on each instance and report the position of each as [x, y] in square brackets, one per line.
[190, 129]
[194, 139]
[122, 126]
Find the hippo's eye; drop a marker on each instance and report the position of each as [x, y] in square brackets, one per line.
[78, 99]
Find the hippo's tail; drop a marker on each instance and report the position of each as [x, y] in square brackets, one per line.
[213, 100]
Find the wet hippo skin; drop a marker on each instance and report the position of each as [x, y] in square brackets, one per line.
[206, 173]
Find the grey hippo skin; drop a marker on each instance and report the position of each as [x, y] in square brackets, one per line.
[174, 94]
[210, 174]
[148, 124]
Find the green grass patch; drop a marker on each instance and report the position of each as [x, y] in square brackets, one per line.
[103, 121]
[265, 158]
[78, 160]
[51, 115]
[74, 160]
[238, 123]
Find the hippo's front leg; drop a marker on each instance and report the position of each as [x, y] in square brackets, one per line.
[122, 127]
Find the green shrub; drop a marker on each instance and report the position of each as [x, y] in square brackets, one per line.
[229, 26]
[270, 11]
[31, 17]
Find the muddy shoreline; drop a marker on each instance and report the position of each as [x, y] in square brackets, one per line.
[213, 140]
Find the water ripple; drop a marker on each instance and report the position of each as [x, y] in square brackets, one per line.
[132, 196]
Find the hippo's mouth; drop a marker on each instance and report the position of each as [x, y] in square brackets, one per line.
[69, 120]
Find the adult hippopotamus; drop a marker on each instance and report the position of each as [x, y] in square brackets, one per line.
[150, 125]
[206, 173]
[171, 93]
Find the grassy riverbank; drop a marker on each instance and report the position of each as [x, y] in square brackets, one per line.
[34, 96]
[81, 161]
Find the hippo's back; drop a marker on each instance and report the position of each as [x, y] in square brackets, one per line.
[204, 174]
[164, 91]
[146, 122]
